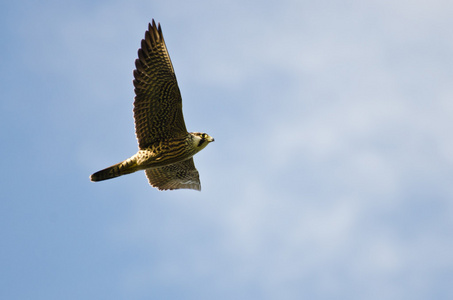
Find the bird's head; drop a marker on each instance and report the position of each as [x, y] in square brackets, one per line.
[201, 140]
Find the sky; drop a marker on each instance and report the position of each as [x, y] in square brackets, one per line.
[330, 176]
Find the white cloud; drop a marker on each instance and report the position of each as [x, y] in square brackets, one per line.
[315, 191]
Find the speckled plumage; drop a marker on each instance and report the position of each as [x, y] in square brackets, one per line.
[165, 146]
[158, 104]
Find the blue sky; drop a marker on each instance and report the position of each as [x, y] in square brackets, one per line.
[330, 177]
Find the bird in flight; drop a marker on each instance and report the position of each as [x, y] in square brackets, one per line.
[166, 149]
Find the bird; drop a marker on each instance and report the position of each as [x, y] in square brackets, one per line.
[166, 148]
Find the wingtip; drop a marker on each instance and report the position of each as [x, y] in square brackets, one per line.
[153, 27]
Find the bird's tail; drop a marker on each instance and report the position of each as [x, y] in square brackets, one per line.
[125, 167]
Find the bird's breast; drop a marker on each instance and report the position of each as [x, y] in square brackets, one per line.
[164, 153]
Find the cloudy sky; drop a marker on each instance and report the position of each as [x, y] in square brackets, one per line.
[330, 177]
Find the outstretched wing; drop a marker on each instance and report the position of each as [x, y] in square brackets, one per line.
[181, 175]
[158, 104]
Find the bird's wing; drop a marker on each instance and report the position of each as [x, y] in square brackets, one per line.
[180, 175]
[158, 104]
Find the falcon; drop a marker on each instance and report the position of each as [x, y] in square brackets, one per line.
[166, 148]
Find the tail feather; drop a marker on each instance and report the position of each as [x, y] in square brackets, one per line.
[125, 167]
